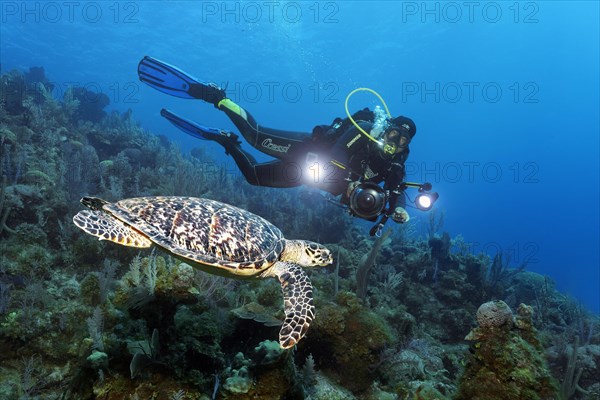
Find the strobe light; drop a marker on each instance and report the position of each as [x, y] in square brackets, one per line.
[424, 201]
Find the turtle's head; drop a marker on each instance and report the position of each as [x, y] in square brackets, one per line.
[305, 253]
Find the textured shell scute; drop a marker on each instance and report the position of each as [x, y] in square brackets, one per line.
[204, 230]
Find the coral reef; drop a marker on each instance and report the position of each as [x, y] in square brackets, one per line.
[83, 319]
[505, 364]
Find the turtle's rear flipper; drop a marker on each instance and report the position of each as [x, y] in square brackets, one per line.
[104, 227]
[297, 302]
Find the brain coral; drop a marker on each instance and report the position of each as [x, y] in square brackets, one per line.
[494, 314]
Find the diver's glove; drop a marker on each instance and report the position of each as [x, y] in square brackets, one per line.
[400, 215]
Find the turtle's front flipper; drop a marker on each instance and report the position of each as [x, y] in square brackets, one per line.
[99, 224]
[297, 301]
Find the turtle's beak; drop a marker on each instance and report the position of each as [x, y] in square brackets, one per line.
[327, 257]
[310, 254]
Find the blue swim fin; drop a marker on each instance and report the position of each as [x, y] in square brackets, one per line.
[171, 80]
[190, 127]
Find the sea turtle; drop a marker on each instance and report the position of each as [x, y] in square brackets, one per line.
[217, 238]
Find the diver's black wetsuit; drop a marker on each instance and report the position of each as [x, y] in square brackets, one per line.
[346, 156]
[290, 148]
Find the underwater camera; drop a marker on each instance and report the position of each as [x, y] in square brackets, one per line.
[367, 200]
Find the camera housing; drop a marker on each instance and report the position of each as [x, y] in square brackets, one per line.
[367, 200]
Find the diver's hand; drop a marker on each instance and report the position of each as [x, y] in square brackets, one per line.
[400, 215]
[351, 187]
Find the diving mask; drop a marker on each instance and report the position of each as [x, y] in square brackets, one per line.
[394, 141]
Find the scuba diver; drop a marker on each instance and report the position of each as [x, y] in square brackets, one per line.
[342, 158]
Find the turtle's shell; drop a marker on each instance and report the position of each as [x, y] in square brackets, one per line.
[204, 231]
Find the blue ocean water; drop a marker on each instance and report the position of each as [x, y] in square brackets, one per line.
[505, 95]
